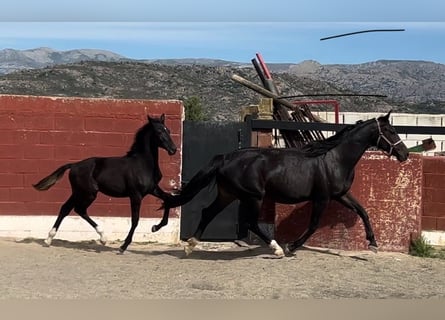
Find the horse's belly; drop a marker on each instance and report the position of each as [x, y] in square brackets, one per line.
[113, 190]
[287, 194]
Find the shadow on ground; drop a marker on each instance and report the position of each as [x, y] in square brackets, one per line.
[177, 251]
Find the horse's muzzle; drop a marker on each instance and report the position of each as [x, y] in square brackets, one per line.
[402, 156]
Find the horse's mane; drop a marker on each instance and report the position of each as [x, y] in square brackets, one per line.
[139, 143]
[319, 147]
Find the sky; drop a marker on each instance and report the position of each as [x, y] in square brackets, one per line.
[281, 30]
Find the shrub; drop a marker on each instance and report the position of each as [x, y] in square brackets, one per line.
[421, 248]
[193, 109]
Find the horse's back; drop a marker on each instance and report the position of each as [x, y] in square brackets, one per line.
[256, 171]
[110, 175]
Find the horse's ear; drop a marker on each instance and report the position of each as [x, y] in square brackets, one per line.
[386, 117]
[162, 118]
[148, 118]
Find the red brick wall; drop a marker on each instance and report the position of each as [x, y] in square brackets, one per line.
[38, 134]
[433, 217]
[389, 191]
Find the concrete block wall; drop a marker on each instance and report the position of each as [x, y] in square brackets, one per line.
[402, 119]
[38, 134]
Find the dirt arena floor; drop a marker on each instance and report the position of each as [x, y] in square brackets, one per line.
[88, 270]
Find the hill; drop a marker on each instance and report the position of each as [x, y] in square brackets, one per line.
[222, 98]
[410, 86]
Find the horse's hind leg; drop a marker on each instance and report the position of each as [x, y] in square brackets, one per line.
[158, 192]
[250, 209]
[208, 214]
[81, 209]
[65, 210]
[318, 207]
[163, 222]
[350, 202]
[83, 213]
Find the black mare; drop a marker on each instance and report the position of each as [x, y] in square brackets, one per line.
[318, 172]
[134, 176]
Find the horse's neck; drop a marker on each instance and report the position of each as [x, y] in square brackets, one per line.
[149, 152]
[351, 150]
[150, 157]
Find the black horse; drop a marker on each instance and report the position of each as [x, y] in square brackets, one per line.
[134, 175]
[318, 172]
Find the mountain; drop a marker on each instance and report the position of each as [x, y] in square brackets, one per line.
[14, 60]
[410, 86]
[408, 81]
[197, 61]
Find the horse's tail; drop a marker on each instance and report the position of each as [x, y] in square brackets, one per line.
[199, 181]
[51, 180]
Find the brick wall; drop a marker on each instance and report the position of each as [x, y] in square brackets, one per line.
[38, 134]
[433, 217]
[390, 192]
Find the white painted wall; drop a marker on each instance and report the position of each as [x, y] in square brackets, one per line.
[400, 119]
[74, 228]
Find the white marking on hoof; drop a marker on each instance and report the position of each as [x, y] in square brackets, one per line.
[47, 242]
[188, 250]
[103, 238]
[191, 244]
[51, 235]
[277, 250]
[52, 232]
[373, 248]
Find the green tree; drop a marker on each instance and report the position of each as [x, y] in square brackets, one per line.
[193, 109]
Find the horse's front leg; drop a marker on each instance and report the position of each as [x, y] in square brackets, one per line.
[135, 207]
[350, 202]
[161, 194]
[318, 206]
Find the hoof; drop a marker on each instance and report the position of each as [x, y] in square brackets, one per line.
[47, 243]
[277, 250]
[100, 232]
[121, 250]
[241, 244]
[191, 244]
[188, 250]
[154, 228]
[51, 235]
[373, 248]
[102, 239]
[279, 253]
[289, 250]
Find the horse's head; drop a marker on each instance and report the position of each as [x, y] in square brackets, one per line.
[388, 139]
[162, 134]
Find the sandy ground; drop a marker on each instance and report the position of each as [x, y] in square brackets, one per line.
[85, 270]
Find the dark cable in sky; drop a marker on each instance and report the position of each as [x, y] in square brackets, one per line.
[357, 32]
